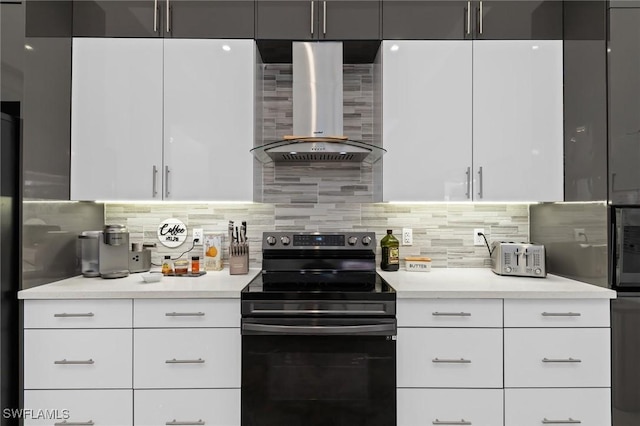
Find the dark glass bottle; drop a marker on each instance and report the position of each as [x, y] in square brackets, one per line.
[390, 252]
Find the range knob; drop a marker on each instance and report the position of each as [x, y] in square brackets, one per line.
[271, 240]
[538, 271]
[366, 240]
[285, 240]
[352, 241]
[508, 269]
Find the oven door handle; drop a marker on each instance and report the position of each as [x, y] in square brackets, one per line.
[315, 330]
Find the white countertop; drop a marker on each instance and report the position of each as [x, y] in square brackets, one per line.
[214, 284]
[481, 283]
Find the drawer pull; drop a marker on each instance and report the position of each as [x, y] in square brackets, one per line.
[66, 423]
[66, 315]
[546, 421]
[452, 361]
[184, 314]
[71, 362]
[561, 314]
[175, 422]
[185, 361]
[561, 360]
[451, 422]
[451, 314]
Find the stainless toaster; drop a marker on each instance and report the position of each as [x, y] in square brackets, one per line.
[518, 259]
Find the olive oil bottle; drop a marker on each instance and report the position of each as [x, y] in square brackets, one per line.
[390, 252]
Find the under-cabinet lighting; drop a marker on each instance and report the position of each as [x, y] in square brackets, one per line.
[28, 47]
[226, 47]
[395, 48]
[171, 202]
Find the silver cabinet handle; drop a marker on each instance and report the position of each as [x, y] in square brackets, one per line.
[71, 362]
[481, 17]
[166, 181]
[184, 314]
[450, 422]
[324, 19]
[175, 422]
[468, 173]
[155, 181]
[155, 16]
[168, 17]
[480, 182]
[561, 360]
[546, 421]
[184, 361]
[452, 361]
[451, 314]
[561, 314]
[66, 423]
[468, 17]
[312, 5]
[66, 315]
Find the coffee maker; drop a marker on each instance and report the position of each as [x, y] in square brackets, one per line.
[113, 252]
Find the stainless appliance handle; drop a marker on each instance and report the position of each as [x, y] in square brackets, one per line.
[184, 361]
[451, 314]
[312, 5]
[66, 315]
[546, 421]
[480, 182]
[468, 173]
[166, 181]
[66, 423]
[155, 16]
[168, 17]
[155, 181]
[314, 312]
[175, 422]
[184, 314]
[561, 360]
[450, 422]
[451, 361]
[468, 17]
[257, 328]
[481, 18]
[324, 19]
[67, 362]
[561, 314]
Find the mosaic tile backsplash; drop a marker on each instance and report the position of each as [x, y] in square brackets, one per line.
[443, 232]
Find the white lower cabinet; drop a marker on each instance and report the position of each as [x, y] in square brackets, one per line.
[210, 407]
[477, 407]
[535, 407]
[79, 407]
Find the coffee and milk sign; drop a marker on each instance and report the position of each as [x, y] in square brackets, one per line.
[172, 233]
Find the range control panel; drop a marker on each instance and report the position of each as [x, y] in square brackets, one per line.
[318, 240]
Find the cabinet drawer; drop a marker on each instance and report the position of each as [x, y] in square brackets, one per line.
[77, 359]
[102, 407]
[479, 407]
[557, 357]
[449, 313]
[94, 313]
[449, 358]
[556, 313]
[210, 407]
[187, 358]
[535, 407]
[150, 313]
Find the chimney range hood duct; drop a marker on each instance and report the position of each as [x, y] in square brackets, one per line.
[317, 111]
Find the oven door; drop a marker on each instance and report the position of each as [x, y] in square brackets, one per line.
[318, 372]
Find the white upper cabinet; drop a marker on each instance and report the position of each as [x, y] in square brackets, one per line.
[116, 118]
[162, 119]
[472, 120]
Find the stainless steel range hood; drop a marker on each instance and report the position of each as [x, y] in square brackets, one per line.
[317, 111]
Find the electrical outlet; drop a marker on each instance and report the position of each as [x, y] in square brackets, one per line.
[199, 234]
[407, 236]
[477, 239]
[579, 234]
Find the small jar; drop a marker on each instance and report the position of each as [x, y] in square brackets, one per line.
[167, 268]
[195, 264]
[181, 267]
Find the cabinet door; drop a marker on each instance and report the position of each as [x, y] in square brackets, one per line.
[116, 18]
[514, 20]
[208, 119]
[517, 120]
[624, 106]
[349, 20]
[415, 20]
[288, 20]
[116, 119]
[210, 19]
[427, 120]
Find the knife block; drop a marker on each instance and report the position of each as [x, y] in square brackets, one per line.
[239, 261]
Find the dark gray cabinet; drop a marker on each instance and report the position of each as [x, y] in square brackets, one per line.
[624, 3]
[318, 20]
[490, 20]
[624, 105]
[175, 18]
